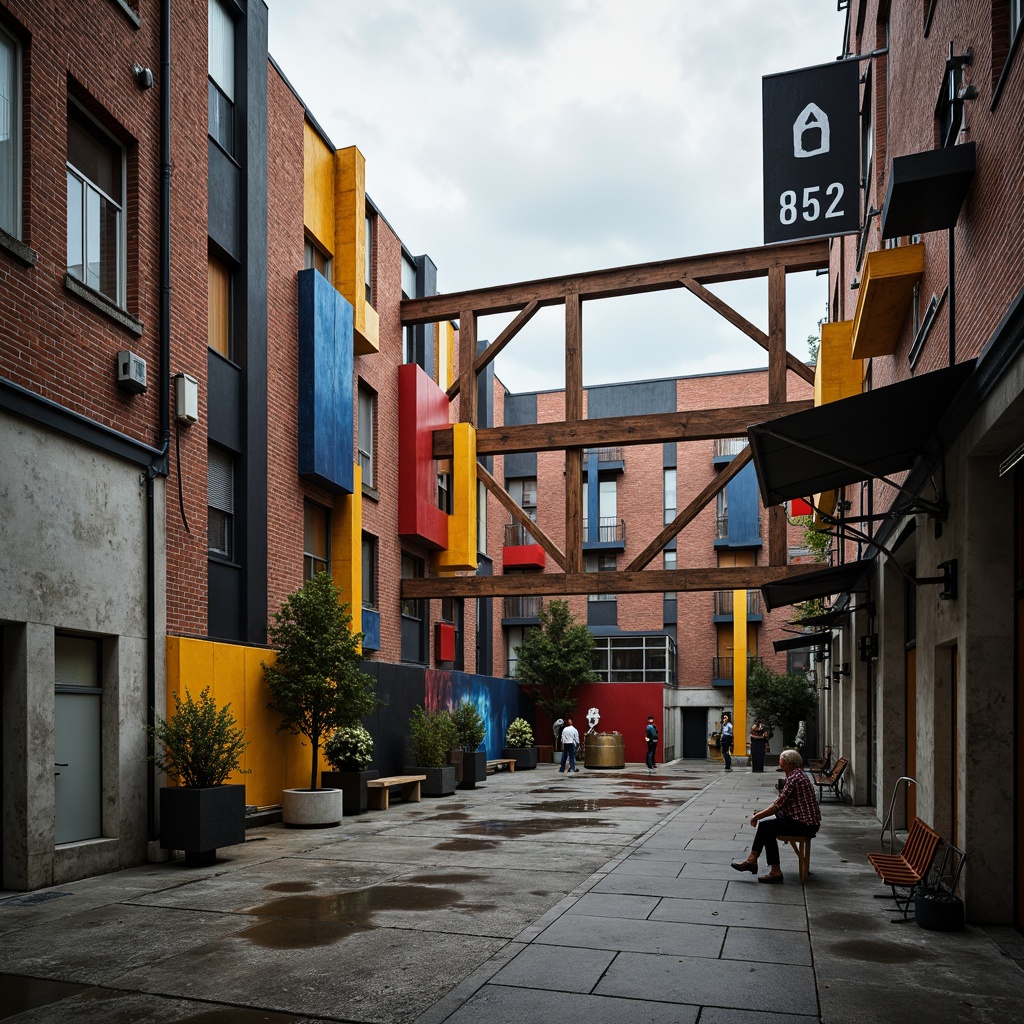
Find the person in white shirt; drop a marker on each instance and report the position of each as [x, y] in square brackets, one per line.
[570, 743]
[727, 741]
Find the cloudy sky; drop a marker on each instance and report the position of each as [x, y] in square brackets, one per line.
[520, 139]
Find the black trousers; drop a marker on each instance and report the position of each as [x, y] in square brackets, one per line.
[769, 828]
[651, 747]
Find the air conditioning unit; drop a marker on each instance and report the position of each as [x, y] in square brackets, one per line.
[131, 372]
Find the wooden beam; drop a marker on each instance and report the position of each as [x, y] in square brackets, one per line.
[695, 425]
[778, 546]
[467, 374]
[520, 516]
[574, 511]
[737, 265]
[498, 344]
[554, 584]
[742, 323]
[691, 511]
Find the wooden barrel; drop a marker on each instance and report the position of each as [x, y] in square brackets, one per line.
[605, 750]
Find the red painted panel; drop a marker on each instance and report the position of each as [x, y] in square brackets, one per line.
[799, 507]
[530, 556]
[422, 409]
[444, 642]
[624, 708]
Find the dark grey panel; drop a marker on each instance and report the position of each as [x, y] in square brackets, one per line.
[520, 409]
[223, 404]
[649, 396]
[224, 611]
[223, 186]
[668, 456]
[602, 613]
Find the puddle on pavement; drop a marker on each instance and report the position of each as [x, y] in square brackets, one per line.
[447, 878]
[579, 804]
[519, 829]
[874, 952]
[451, 816]
[304, 920]
[466, 845]
[290, 887]
[21, 994]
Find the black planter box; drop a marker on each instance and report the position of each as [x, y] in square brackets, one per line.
[200, 821]
[352, 785]
[474, 768]
[938, 910]
[440, 781]
[526, 757]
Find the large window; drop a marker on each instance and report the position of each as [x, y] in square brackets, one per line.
[369, 571]
[218, 322]
[414, 615]
[316, 259]
[95, 169]
[600, 563]
[670, 495]
[481, 518]
[316, 545]
[10, 134]
[635, 658]
[367, 411]
[221, 69]
[220, 501]
[368, 259]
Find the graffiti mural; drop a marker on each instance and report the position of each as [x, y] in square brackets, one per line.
[497, 700]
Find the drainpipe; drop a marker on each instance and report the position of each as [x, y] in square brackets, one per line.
[951, 253]
[159, 465]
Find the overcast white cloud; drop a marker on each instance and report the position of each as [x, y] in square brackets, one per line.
[519, 139]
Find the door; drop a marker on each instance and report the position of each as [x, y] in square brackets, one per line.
[695, 739]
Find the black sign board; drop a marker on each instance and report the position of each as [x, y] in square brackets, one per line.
[811, 152]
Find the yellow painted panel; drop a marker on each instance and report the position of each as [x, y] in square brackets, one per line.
[350, 226]
[836, 374]
[826, 502]
[347, 547]
[739, 672]
[461, 553]
[444, 354]
[318, 188]
[366, 330]
[886, 290]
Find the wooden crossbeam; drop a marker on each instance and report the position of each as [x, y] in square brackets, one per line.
[556, 584]
[520, 516]
[498, 344]
[695, 425]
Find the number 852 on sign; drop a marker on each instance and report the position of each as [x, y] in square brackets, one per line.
[811, 205]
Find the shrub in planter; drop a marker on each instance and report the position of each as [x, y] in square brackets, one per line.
[431, 735]
[349, 752]
[470, 731]
[519, 744]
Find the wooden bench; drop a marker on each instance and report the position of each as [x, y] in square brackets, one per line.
[821, 765]
[378, 790]
[832, 781]
[909, 868]
[802, 848]
[508, 763]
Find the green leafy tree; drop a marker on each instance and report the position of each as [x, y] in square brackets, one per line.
[781, 700]
[315, 684]
[555, 660]
[432, 735]
[469, 726]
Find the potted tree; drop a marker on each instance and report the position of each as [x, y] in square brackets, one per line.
[202, 747]
[469, 734]
[431, 736]
[349, 752]
[316, 686]
[519, 744]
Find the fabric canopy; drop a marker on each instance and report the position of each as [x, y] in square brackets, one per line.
[810, 585]
[830, 618]
[796, 643]
[853, 439]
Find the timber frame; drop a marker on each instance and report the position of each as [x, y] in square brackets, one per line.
[575, 433]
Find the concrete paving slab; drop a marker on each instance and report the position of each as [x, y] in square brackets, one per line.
[747, 889]
[719, 1015]
[540, 967]
[774, 946]
[749, 915]
[669, 938]
[603, 904]
[775, 988]
[659, 885]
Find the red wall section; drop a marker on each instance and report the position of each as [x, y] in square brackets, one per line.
[529, 555]
[422, 409]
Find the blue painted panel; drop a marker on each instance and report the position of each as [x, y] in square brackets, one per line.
[742, 500]
[371, 630]
[497, 700]
[325, 384]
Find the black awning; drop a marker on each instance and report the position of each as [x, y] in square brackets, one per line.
[827, 619]
[853, 439]
[809, 585]
[796, 643]
[926, 190]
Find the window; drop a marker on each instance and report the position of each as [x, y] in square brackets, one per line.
[367, 412]
[721, 514]
[600, 563]
[414, 615]
[670, 495]
[95, 168]
[316, 259]
[408, 278]
[867, 142]
[368, 260]
[220, 501]
[369, 571]
[448, 609]
[524, 491]
[221, 70]
[481, 518]
[218, 322]
[10, 135]
[444, 492]
[316, 544]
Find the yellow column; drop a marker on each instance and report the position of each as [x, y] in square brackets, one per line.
[347, 547]
[739, 673]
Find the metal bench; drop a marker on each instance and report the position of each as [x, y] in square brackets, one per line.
[833, 781]
[908, 869]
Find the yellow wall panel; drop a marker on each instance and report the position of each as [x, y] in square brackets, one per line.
[318, 188]
[837, 375]
[461, 553]
[347, 547]
[350, 246]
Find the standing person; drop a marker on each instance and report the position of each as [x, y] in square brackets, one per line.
[651, 735]
[570, 741]
[727, 740]
[795, 812]
[758, 744]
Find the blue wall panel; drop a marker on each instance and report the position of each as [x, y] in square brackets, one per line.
[325, 384]
[742, 500]
[497, 700]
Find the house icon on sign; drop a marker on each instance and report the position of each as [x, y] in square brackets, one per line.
[810, 132]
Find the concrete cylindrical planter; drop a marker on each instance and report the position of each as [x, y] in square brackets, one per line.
[526, 757]
[311, 808]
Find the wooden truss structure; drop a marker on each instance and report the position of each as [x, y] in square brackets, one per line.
[575, 433]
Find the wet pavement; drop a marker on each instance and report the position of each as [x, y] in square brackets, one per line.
[604, 896]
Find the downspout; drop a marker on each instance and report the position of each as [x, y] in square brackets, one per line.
[159, 465]
[951, 272]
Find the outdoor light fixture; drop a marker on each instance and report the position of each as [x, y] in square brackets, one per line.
[868, 646]
[948, 579]
[143, 76]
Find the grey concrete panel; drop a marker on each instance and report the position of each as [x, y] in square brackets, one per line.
[495, 1004]
[540, 967]
[682, 887]
[747, 889]
[720, 1015]
[604, 904]
[773, 988]
[768, 946]
[672, 939]
[752, 915]
[633, 866]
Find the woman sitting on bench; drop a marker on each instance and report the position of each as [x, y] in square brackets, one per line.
[795, 812]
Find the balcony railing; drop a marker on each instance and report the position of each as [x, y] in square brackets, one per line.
[722, 525]
[724, 602]
[727, 446]
[522, 607]
[517, 535]
[613, 454]
[722, 668]
[609, 531]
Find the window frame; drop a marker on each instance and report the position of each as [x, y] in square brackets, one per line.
[104, 139]
[313, 562]
[13, 226]
[214, 261]
[369, 553]
[366, 422]
[225, 139]
[315, 257]
[369, 228]
[226, 553]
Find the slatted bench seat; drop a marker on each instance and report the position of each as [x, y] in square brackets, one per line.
[508, 763]
[802, 848]
[378, 790]
[833, 781]
[909, 868]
